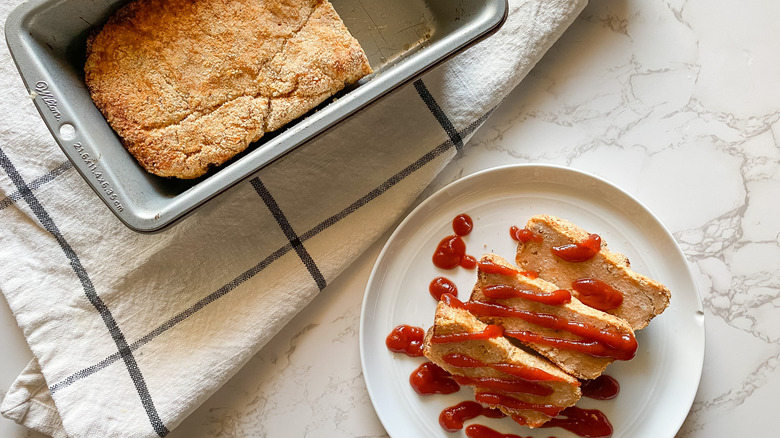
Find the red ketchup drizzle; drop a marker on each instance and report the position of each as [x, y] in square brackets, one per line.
[504, 291]
[451, 251]
[587, 423]
[452, 301]
[406, 339]
[603, 387]
[461, 360]
[489, 332]
[595, 342]
[480, 431]
[440, 286]
[525, 372]
[452, 418]
[524, 235]
[597, 294]
[580, 251]
[505, 385]
[488, 267]
[430, 378]
[491, 398]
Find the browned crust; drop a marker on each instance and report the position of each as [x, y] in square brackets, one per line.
[451, 320]
[188, 84]
[643, 298]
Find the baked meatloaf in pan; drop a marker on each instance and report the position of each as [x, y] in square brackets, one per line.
[232, 85]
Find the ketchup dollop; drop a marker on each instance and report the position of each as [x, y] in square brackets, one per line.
[451, 251]
[468, 262]
[480, 431]
[452, 418]
[597, 294]
[406, 339]
[603, 387]
[580, 251]
[462, 224]
[430, 378]
[587, 423]
[440, 286]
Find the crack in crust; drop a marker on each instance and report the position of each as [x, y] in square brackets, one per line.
[187, 84]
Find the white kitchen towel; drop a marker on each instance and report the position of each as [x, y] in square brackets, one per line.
[131, 332]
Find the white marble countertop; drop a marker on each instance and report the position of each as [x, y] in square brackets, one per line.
[677, 102]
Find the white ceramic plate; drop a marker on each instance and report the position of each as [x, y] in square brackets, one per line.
[657, 386]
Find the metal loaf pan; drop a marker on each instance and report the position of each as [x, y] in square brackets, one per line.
[47, 39]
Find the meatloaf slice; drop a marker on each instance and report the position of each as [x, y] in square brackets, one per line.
[642, 298]
[581, 340]
[522, 384]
